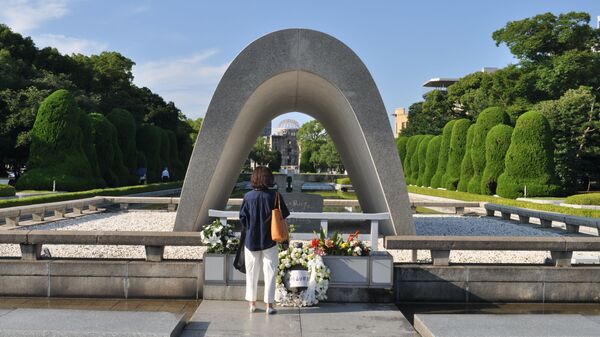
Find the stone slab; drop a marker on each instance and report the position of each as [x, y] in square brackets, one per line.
[231, 318]
[88, 323]
[483, 325]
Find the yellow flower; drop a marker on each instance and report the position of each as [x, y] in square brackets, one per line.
[344, 245]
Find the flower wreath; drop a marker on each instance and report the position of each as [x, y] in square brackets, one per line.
[318, 277]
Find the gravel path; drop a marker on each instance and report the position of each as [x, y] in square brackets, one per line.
[163, 221]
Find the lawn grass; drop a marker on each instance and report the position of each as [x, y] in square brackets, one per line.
[503, 201]
[40, 199]
[584, 199]
[335, 194]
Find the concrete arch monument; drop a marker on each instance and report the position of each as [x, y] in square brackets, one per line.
[296, 70]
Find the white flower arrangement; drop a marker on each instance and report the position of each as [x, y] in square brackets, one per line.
[318, 277]
[219, 238]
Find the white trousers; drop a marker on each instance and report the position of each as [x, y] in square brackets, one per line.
[268, 259]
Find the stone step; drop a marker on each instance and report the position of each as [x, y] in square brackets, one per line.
[525, 325]
[81, 323]
[231, 318]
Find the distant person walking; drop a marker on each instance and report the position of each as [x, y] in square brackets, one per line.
[141, 173]
[259, 248]
[165, 175]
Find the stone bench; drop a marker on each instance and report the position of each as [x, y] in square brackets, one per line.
[125, 201]
[154, 242]
[458, 206]
[12, 215]
[561, 248]
[571, 222]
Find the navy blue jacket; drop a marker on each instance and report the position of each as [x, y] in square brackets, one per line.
[255, 216]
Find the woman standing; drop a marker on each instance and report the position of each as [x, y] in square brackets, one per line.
[259, 248]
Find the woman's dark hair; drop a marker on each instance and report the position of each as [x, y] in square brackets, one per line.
[261, 178]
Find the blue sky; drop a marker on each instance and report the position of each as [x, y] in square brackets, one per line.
[182, 48]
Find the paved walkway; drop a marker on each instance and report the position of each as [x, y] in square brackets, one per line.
[231, 318]
[423, 197]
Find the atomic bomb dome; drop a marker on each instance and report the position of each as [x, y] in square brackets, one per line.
[286, 125]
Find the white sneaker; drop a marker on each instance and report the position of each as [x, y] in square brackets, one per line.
[271, 311]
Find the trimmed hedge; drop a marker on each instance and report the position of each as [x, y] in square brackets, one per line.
[165, 148]
[529, 160]
[57, 148]
[89, 148]
[177, 169]
[109, 154]
[496, 145]
[466, 166]
[149, 143]
[436, 180]
[584, 199]
[486, 120]
[411, 147]
[422, 154]
[431, 159]
[458, 141]
[126, 136]
[7, 191]
[401, 146]
[414, 160]
[125, 190]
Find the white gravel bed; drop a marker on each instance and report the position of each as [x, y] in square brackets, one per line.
[163, 221]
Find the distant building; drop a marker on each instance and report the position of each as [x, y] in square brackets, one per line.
[401, 117]
[442, 83]
[267, 130]
[284, 140]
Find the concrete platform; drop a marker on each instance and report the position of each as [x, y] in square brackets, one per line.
[231, 318]
[82, 323]
[483, 325]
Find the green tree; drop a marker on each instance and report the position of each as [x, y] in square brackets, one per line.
[466, 166]
[496, 145]
[429, 116]
[488, 118]
[57, 149]
[437, 179]
[411, 149]
[431, 159]
[575, 122]
[414, 160]
[458, 141]
[529, 162]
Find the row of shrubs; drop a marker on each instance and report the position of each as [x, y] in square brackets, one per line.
[6, 190]
[584, 199]
[117, 191]
[486, 157]
[81, 151]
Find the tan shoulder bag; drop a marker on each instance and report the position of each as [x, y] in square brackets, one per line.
[279, 229]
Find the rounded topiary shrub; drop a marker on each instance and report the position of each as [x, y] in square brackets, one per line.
[466, 166]
[436, 180]
[496, 145]
[7, 191]
[57, 148]
[529, 162]
[108, 151]
[411, 147]
[422, 154]
[458, 141]
[89, 148]
[177, 168]
[149, 142]
[126, 135]
[414, 160]
[401, 146]
[165, 148]
[431, 159]
[486, 120]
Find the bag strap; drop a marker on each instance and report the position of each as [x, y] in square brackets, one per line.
[277, 202]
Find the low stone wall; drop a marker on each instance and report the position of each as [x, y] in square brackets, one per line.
[101, 278]
[489, 283]
[413, 282]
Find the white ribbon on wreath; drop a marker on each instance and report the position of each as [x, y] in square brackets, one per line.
[317, 285]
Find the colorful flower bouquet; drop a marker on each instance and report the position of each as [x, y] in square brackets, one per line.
[219, 238]
[337, 246]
